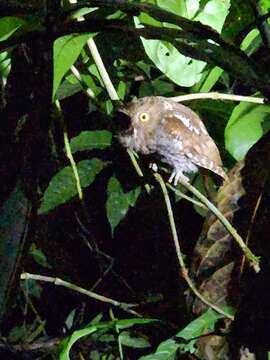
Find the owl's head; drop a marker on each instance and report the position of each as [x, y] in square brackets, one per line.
[144, 117]
[145, 113]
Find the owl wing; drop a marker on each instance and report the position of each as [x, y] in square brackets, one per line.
[194, 141]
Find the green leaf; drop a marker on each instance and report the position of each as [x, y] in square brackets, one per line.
[210, 80]
[68, 343]
[252, 42]
[62, 186]
[133, 195]
[121, 90]
[118, 202]
[214, 13]
[88, 140]
[39, 257]
[245, 128]
[168, 349]
[8, 25]
[66, 50]
[182, 70]
[127, 339]
[81, 12]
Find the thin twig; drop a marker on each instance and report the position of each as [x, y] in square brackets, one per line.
[56, 281]
[77, 75]
[69, 155]
[184, 196]
[73, 165]
[218, 96]
[241, 268]
[138, 169]
[254, 260]
[184, 270]
[102, 70]
[34, 346]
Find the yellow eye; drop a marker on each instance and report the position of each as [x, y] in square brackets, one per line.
[144, 117]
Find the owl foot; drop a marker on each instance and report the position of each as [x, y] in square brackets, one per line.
[176, 175]
[153, 166]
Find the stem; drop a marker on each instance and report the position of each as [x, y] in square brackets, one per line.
[184, 196]
[179, 254]
[138, 169]
[254, 260]
[77, 75]
[99, 64]
[218, 96]
[102, 70]
[73, 165]
[93, 295]
[70, 156]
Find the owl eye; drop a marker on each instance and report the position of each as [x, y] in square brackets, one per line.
[144, 117]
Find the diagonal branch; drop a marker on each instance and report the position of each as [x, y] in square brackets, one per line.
[56, 281]
[179, 254]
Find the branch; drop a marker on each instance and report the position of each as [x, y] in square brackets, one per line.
[102, 70]
[99, 64]
[179, 254]
[56, 281]
[261, 24]
[192, 43]
[10, 8]
[69, 154]
[77, 75]
[184, 196]
[254, 260]
[34, 346]
[218, 96]
[137, 168]
[73, 165]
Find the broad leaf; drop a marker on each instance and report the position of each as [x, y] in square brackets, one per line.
[39, 256]
[68, 343]
[62, 186]
[182, 70]
[246, 126]
[168, 349]
[128, 339]
[8, 25]
[88, 140]
[119, 202]
[66, 50]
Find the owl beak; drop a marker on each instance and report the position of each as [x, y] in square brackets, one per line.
[124, 111]
[123, 120]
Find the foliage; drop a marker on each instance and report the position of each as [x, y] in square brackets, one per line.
[119, 324]
[162, 47]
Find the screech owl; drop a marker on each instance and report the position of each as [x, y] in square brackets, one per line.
[175, 132]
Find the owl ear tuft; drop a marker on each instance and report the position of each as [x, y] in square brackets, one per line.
[134, 99]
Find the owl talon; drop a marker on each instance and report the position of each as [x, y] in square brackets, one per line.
[175, 176]
[153, 166]
[172, 177]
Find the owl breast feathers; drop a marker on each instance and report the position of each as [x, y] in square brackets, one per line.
[159, 125]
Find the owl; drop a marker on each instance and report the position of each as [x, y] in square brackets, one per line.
[172, 130]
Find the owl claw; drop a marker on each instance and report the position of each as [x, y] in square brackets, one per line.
[153, 166]
[176, 175]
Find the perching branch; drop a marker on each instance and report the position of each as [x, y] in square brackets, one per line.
[254, 260]
[218, 96]
[56, 281]
[179, 254]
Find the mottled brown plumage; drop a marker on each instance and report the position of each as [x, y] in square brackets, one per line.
[173, 131]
